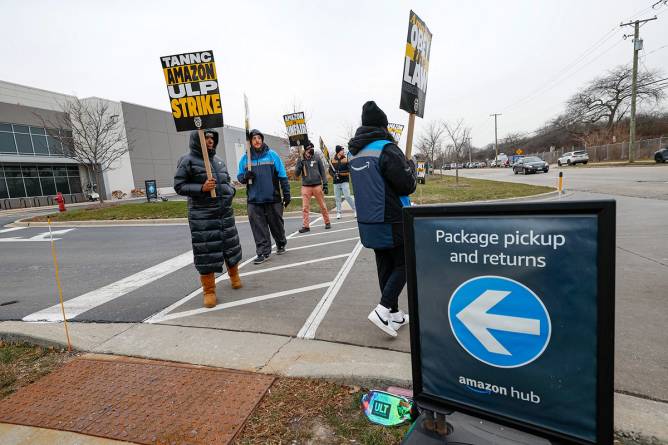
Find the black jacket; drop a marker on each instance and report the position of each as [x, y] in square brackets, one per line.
[340, 170]
[397, 172]
[214, 233]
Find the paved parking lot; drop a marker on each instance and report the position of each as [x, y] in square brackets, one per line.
[325, 285]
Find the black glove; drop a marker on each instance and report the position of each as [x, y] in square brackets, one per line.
[249, 175]
[325, 188]
[286, 201]
[411, 164]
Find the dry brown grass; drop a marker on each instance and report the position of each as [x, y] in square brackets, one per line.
[22, 364]
[305, 411]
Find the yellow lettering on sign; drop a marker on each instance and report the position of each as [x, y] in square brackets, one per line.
[192, 106]
[215, 98]
[176, 109]
[190, 73]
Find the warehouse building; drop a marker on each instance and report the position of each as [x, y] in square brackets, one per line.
[34, 165]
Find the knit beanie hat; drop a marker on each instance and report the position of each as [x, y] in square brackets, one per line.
[373, 116]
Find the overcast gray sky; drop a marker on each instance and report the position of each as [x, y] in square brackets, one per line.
[331, 57]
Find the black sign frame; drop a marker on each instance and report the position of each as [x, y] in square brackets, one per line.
[604, 210]
[154, 194]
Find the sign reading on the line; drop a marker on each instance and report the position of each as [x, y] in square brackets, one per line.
[194, 96]
[295, 124]
[512, 313]
[395, 131]
[416, 66]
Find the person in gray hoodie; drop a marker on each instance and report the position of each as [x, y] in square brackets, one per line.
[314, 184]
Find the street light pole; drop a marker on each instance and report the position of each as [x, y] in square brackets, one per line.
[496, 141]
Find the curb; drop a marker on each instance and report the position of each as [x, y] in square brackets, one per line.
[124, 222]
[243, 218]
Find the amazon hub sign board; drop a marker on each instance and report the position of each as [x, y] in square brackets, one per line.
[512, 314]
[192, 85]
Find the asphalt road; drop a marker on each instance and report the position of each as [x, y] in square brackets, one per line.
[325, 285]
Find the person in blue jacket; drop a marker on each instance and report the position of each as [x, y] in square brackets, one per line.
[382, 179]
[267, 179]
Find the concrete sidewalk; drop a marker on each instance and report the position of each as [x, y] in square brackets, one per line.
[274, 354]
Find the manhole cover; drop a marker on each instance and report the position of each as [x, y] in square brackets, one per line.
[139, 401]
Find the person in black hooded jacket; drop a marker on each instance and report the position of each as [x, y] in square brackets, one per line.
[214, 233]
[382, 178]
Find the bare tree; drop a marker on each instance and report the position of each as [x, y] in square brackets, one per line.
[347, 132]
[430, 143]
[459, 135]
[93, 135]
[606, 100]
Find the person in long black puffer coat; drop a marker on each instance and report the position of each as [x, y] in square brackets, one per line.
[214, 233]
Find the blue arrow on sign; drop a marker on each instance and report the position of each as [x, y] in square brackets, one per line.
[499, 321]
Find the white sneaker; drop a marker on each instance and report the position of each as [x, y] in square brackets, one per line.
[338, 215]
[398, 319]
[381, 317]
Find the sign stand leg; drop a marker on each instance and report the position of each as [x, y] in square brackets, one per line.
[205, 155]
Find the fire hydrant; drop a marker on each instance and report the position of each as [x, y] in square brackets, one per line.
[61, 202]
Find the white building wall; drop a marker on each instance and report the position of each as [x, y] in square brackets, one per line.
[12, 93]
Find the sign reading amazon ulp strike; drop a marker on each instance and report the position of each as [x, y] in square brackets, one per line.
[512, 314]
[193, 90]
[416, 66]
[295, 125]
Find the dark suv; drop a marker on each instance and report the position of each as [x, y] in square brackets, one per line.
[661, 155]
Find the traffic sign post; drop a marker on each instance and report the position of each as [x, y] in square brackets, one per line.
[512, 315]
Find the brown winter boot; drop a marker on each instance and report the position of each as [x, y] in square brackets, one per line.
[235, 281]
[209, 288]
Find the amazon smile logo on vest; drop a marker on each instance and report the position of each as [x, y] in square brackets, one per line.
[499, 321]
[357, 169]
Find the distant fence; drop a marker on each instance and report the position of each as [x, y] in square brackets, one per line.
[610, 152]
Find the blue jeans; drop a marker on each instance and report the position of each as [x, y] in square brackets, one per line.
[344, 189]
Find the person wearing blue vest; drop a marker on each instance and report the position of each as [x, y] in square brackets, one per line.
[382, 179]
[265, 206]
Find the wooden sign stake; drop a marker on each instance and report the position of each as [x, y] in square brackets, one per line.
[205, 155]
[409, 136]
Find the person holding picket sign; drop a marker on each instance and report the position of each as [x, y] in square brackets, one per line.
[340, 171]
[214, 234]
[314, 184]
[383, 178]
[265, 181]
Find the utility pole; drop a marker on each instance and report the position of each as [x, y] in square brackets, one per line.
[496, 142]
[637, 46]
[468, 141]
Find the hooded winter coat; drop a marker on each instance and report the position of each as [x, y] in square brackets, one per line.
[214, 234]
[382, 178]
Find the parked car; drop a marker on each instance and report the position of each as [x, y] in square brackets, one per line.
[530, 164]
[446, 167]
[573, 157]
[661, 155]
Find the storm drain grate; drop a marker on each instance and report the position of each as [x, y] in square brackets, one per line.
[139, 401]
